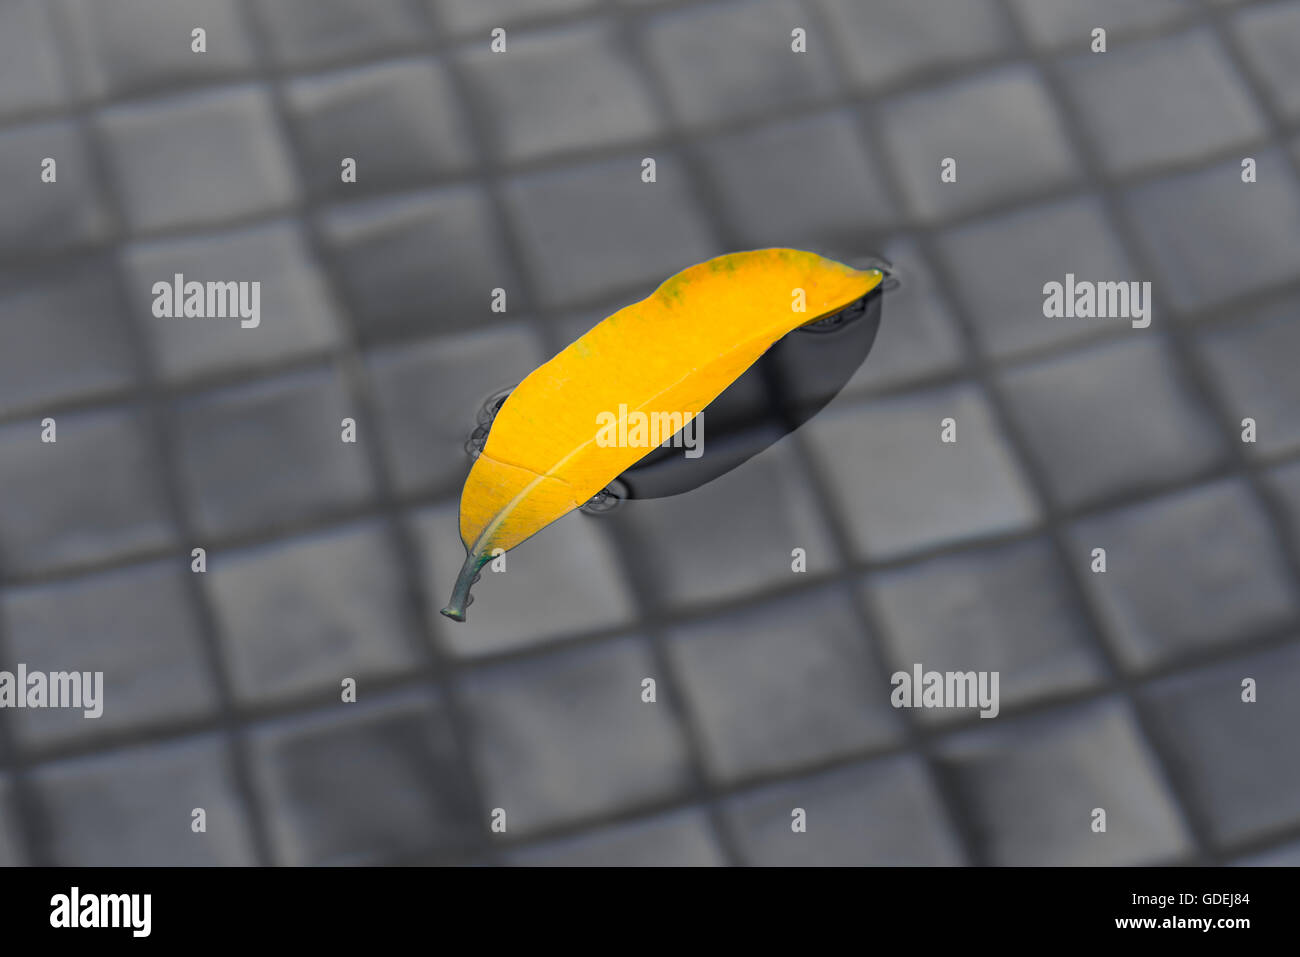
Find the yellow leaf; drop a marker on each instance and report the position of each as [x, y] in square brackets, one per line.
[673, 352]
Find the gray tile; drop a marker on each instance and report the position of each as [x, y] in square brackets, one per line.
[783, 684]
[1287, 855]
[567, 736]
[298, 617]
[30, 77]
[64, 329]
[677, 839]
[1270, 36]
[1000, 127]
[135, 625]
[364, 781]
[1113, 419]
[730, 537]
[1238, 762]
[429, 394]
[473, 16]
[421, 262]
[297, 315]
[1124, 98]
[259, 455]
[11, 853]
[36, 216]
[888, 42]
[1185, 572]
[1031, 786]
[721, 62]
[1285, 483]
[1007, 609]
[573, 558]
[300, 33]
[53, 515]
[1000, 266]
[918, 335]
[400, 120]
[1056, 22]
[198, 158]
[588, 231]
[130, 46]
[802, 183]
[133, 807]
[1253, 361]
[559, 91]
[885, 813]
[899, 488]
[1213, 237]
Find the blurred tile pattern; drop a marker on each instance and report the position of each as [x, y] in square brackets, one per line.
[519, 173]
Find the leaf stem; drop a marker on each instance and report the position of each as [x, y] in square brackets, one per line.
[460, 597]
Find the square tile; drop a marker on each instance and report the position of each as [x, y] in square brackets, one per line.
[590, 231]
[298, 617]
[198, 158]
[400, 120]
[132, 46]
[468, 16]
[1253, 361]
[800, 183]
[889, 42]
[899, 488]
[783, 684]
[30, 77]
[1008, 608]
[1270, 35]
[137, 626]
[11, 852]
[564, 90]
[1186, 572]
[40, 217]
[133, 807]
[1053, 23]
[366, 781]
[1031, 786]
[261, 455]
[421, 263]
[1213, 237]
[565, 736]
[733, 536]
[1284, 482]
[1287, 855]
[677, 839]
[1000, 265]
[301, 33]
[51, 515]
[429, 394]
[1238, 762]
[1017, 147]
[722, 62]
[565, 580]
[297, 316]
[1132, 102]
[882, 814]
[65, 333]
[1113, 419]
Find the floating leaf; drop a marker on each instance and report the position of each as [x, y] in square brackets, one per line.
[673, 352]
